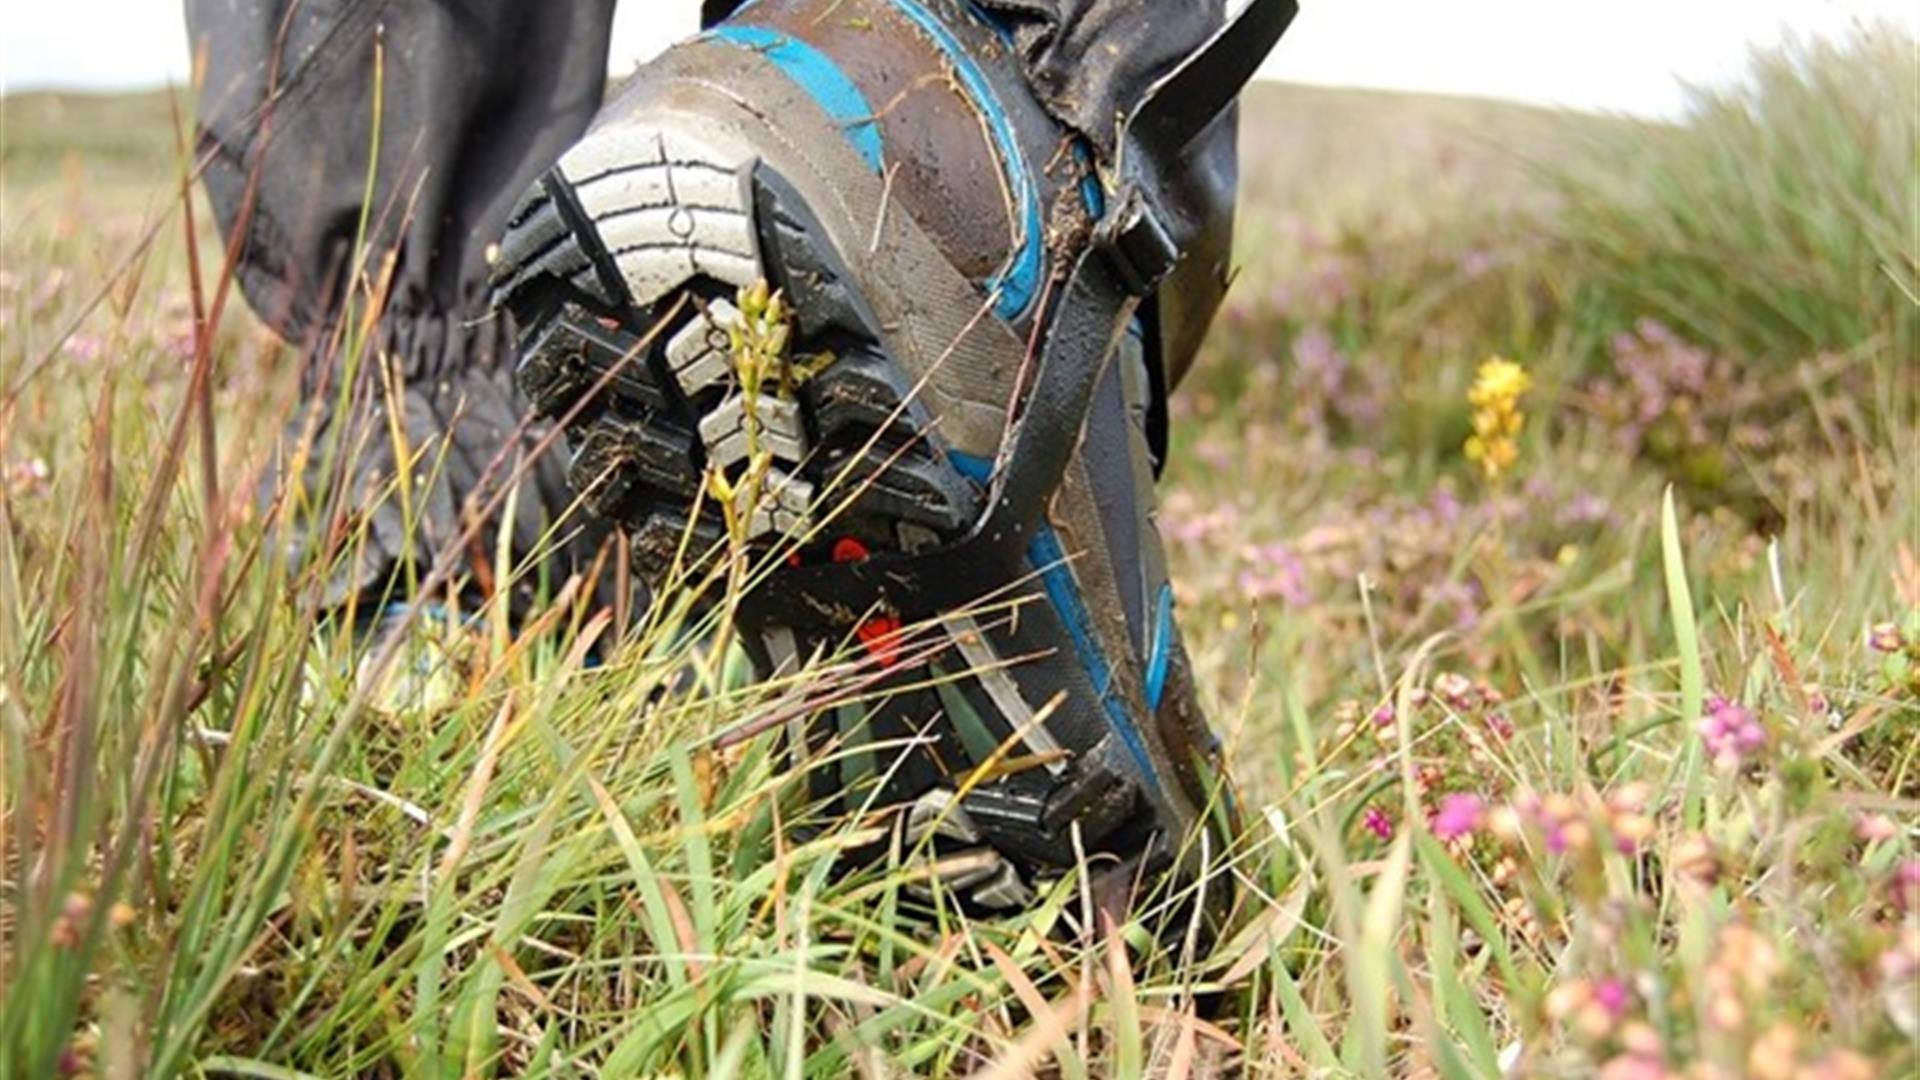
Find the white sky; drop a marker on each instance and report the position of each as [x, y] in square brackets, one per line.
[1625, 55]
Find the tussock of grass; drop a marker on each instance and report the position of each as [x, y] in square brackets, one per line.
[1780, 221]
[1495, 735]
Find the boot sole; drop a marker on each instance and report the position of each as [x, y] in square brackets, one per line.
[600, 253]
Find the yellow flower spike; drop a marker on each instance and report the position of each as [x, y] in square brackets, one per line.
[753, 300]
[1497, 418]
[1499, 384]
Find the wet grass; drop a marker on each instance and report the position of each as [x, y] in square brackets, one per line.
[1607, 762]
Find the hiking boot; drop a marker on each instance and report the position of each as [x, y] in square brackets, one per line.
[828, 289]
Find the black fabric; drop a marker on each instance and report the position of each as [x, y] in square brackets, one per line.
[463, 439]
[476, 98]
[1093, 60]
[1107, 450]
[713, 12]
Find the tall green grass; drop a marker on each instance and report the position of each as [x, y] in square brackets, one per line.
[1782, 219]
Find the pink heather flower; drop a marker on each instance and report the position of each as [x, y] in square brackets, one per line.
[1216, 454]
[1456, 691]
[1818, 702]
[1278, 574]
[1731, 732]
[1280, 586]
[1663, 374]
[1317, 361]
[1874, 828]
[85, 348]
[1462, 598]
[1384, 716]
[24, 477]
[1459, 815]
[1278, 555]
[1886, 638]
[1311, 239]
[1200, 526]
[1585, 508]
[1906, 885]
[1613, 996]
[1557, 839]
[1502, 727]
[1329, 286]
[1900, 963]
[182, 345]
[1377, 822]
